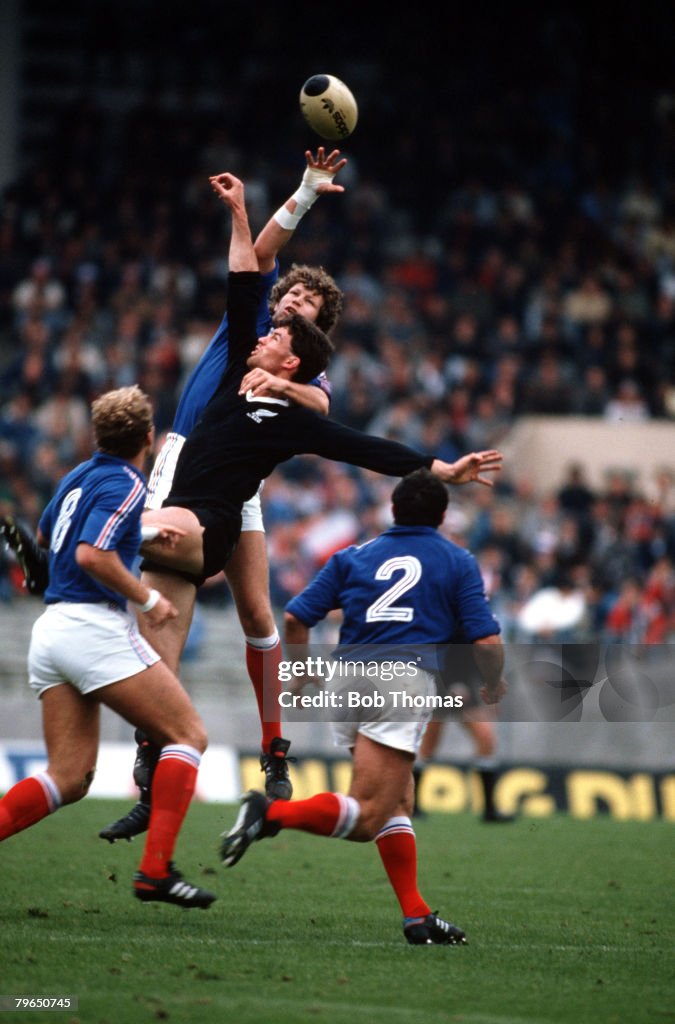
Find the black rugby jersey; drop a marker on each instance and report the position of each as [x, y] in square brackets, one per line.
[239, 440]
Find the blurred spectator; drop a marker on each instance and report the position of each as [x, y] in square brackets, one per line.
[627, 404]
[548, 390]
[588, 303]
[626, 620]
[593, 394]
[40, 293]
[555, 614]
[575, 496]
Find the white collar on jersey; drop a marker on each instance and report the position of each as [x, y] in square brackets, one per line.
[266, 398]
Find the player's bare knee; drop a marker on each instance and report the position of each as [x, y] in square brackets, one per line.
[368, 825]
[254, 611]
[196, 736]
[73, 786]
[189, 731]
[256, 618]
[362, 833]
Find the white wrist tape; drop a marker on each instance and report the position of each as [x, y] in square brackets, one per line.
[149, 533]
[305, 197]
[151, 602]
[287, 220]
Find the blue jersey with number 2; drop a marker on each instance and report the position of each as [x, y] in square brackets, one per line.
[408, 588]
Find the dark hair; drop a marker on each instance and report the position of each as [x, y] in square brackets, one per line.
[308, 342]
[419, 499]
[316, 279]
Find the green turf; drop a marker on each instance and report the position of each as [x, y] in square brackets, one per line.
[567, 920]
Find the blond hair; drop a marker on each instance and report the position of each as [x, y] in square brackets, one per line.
[121, 421]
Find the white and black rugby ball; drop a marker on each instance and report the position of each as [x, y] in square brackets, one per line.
[328, 106]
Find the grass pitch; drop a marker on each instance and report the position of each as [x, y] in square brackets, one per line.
[567, 921]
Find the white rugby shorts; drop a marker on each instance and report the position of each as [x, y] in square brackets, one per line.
[162, 476]
[386, 728]
[87, 645]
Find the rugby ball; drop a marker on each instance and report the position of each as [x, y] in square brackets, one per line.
[328, 106]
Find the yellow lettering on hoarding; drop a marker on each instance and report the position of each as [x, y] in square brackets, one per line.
[523, 791]
[443, 789]
[668, 797]
[586, 789]
[451, 790]
[643, 797]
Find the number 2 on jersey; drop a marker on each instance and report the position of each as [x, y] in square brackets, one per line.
[382, 610]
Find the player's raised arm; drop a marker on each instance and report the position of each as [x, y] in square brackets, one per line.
[242, 255]
[244, 284]
[317, 180]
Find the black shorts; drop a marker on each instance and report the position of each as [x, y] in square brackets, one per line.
[222, 527]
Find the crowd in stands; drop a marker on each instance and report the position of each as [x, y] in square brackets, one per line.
[540, 286]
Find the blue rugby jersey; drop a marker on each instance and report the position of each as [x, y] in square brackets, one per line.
[406, 591]
[100, 503]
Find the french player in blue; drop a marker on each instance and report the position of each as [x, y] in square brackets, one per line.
[312, 293]
[402, 594]
[86, 649]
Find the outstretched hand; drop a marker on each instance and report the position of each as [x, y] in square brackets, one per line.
[470, 468]
[325, 165]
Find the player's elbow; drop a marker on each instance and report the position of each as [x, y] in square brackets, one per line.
[491, 640]
[86, 557]
[265, 255]
[295, 631]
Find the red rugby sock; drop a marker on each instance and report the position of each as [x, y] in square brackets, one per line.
[262, 663]
[28, 802]
[172, 787]
[397, 847]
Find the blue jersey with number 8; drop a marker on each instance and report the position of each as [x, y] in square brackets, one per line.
[98, 503]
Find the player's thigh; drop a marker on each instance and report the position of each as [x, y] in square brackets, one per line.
[169, 639]
[155, 701]
[247, 573]
[380, 774]
[70, 722]
[188, 553]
